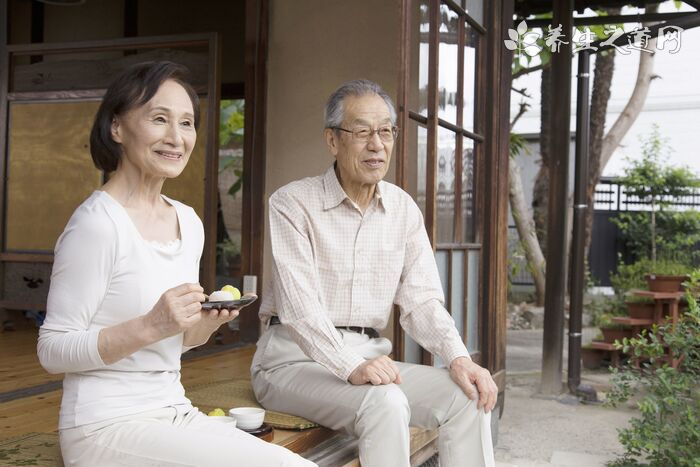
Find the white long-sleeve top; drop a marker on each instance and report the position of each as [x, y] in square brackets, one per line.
[105, 273]
[334, 265]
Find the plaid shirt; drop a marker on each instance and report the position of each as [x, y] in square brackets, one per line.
[335, 266]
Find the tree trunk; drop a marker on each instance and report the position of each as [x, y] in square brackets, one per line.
[608, 144]
[540, 191]
[526, 230]
[602, 79]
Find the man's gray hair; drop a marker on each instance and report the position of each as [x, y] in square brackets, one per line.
[335, 111]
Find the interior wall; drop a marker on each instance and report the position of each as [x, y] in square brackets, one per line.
[315, 46]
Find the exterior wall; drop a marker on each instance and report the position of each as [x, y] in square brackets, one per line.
[314, 46]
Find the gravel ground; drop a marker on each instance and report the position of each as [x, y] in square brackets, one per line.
[547, 431]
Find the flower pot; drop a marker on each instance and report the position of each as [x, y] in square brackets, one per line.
[640, 310]
[611, 335]
[664, 283]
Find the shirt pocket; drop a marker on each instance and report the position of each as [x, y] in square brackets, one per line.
[388, 268]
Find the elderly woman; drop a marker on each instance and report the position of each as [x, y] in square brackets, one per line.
[125, 302]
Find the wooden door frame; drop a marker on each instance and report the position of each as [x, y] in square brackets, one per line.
[254, 160]
[210, 40]
[491, 170]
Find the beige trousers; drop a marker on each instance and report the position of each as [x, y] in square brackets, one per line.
[164, 437]
[285, 380]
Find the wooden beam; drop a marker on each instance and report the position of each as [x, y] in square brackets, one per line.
[495, 161]
[613, 19]
[151, 42]
[431, 164]
[4, 81]
[131, 18]
[399, 340]
[211, 164]
[253, 220]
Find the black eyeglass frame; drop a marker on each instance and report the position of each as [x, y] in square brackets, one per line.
[394, 133]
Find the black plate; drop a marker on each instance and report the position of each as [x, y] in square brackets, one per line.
[243, 301]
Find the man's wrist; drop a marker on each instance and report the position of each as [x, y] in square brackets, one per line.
[461, 360]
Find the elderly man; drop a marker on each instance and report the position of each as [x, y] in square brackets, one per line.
[347, 246]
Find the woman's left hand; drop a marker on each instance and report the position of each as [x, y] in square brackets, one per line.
[215, 318]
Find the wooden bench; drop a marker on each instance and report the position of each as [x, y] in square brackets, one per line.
[320, 445]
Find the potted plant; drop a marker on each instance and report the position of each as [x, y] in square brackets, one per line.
[612, 331]
[667, 276]
[665, 429]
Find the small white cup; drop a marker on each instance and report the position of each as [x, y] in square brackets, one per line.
[248, 418]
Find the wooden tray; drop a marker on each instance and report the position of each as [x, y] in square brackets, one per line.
[264, 432]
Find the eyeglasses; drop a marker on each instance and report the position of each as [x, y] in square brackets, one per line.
[364, 134]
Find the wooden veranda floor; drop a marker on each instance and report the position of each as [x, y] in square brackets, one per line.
[30, 397]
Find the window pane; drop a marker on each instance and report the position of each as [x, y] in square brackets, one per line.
[473, 343]
[228, 235]
[411, 350]
[442, 260]
[416, 162]
[468, 207]
[49, 176]
[447, 61]
[470, 65]
[457, 300]
[418, 88]
[475, 9]
[445, 185]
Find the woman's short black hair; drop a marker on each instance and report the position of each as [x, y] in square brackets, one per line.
[133, 87]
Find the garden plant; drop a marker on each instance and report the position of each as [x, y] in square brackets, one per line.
[667, 430]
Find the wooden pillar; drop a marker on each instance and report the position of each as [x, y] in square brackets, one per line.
[557, 254]
[494, 264]
[253, 222]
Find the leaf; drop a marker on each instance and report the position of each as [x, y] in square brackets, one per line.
[513, 34]
[522, 27]
[510, 45]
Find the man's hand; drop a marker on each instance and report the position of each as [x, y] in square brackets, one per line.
[380, 370]
[466, 374]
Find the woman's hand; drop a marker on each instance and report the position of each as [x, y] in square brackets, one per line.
[177, 310]
[210, 322]
[214, 318]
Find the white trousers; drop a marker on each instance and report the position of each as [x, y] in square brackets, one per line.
[164, 437]
[285, 380]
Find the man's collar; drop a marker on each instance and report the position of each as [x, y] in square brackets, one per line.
[334, 193]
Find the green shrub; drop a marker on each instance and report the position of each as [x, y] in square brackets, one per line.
[659, 232]
[670, 268]
[630, 276]
[667, 430]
